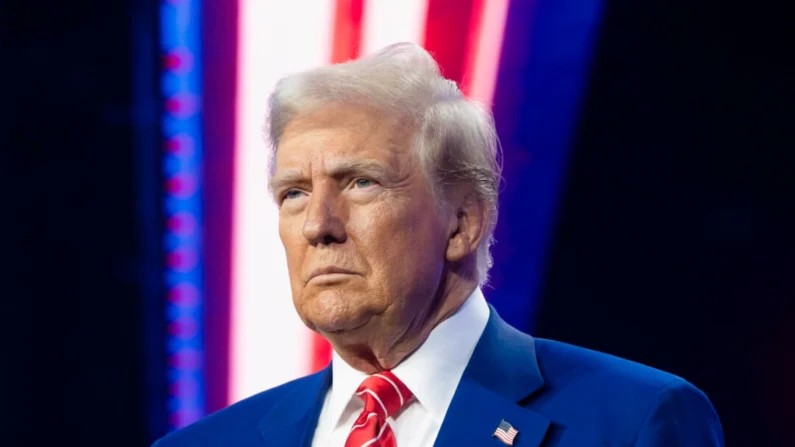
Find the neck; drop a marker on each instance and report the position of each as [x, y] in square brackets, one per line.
[384, 348]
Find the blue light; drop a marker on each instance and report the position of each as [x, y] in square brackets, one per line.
[180, 83]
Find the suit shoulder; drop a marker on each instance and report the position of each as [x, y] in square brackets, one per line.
[561, 363]
[621, 400]
[235, 424]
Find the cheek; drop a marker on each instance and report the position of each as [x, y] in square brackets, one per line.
[400, 242]
[291, 237]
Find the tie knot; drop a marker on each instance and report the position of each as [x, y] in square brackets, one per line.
[383, 394]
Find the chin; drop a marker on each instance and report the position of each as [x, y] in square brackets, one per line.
[336, 309]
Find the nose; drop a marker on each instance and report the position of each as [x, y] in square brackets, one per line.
[323, 224]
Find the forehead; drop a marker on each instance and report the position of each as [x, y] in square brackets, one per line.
[344, 132]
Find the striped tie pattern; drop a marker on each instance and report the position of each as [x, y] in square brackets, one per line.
[383, 395]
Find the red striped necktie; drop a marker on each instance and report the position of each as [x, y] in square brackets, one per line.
[383, 395]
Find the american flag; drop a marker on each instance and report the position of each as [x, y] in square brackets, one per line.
[506, 433]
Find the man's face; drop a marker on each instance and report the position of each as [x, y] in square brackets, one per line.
[365, 244]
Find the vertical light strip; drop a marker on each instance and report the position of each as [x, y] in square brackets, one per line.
[181, 125]
[388, 21]
[269, 344]
[484, 59]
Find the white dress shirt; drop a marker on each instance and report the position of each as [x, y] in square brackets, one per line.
[432, 374]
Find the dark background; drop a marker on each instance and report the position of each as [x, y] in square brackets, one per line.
[672, 243]
[72, 110]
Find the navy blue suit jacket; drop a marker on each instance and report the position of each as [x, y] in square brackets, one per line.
[553, 393]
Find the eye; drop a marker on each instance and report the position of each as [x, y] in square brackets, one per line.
[291, 194]
[363, 183]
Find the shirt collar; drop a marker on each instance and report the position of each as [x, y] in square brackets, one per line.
[433, 371]
[345, 380]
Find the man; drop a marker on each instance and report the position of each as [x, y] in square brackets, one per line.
[386, 180]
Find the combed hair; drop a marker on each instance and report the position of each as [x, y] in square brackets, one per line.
[454, 142]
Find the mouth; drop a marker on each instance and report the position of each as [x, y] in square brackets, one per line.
[330, 273]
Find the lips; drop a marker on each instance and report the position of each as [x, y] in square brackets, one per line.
[328, 271]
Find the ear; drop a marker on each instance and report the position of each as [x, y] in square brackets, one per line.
[467, 229]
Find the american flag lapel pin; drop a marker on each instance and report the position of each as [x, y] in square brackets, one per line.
[505, 433]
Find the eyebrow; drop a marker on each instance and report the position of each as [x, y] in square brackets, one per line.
[288, 178]
[337, 169]
[346, 168]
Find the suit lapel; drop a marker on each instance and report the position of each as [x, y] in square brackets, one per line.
[503, 371]
[475, 413]
[292, 421]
